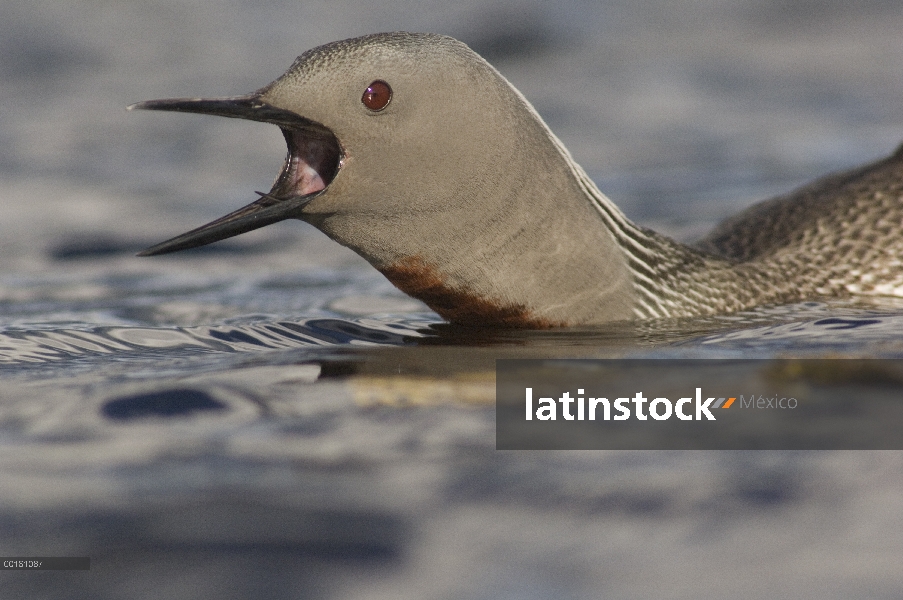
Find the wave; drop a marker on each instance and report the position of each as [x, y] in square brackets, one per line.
[40, 346]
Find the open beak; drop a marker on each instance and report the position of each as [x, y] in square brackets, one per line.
[314, 157]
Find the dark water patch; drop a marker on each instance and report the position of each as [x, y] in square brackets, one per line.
[313, 426]
[503, 33]
[758, 488]
[766, 492]
[167, 403]
[104, 246]
[100, 246]
[648, 504]
[758, 483]
[338, 331]
[38, 54]
[290, 331]
[235, 335]
[840, 323]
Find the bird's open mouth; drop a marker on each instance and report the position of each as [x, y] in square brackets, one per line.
[313, 160]
[314, 157]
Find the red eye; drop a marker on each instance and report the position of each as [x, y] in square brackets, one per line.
[377, 95]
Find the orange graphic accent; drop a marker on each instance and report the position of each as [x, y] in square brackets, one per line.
[728, 403]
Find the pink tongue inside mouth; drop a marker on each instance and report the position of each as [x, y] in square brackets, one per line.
[313, 165]
[307, 180]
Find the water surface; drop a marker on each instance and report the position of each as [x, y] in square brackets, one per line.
[269, 417]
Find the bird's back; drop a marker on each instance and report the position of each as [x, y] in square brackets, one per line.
[837, 218]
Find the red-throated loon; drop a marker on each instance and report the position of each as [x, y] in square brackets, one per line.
[417, 154]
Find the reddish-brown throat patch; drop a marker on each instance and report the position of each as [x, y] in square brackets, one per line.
[417, 278]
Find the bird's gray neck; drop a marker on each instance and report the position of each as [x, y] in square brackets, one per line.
[521, 257]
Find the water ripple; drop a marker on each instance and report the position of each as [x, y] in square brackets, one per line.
[38, 346]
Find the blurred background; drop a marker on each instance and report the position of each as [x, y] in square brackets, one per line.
[273, 480]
